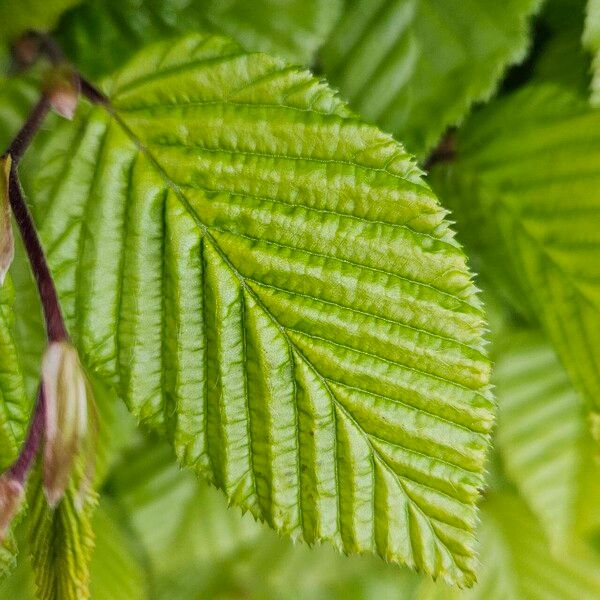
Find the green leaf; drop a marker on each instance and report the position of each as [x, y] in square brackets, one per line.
[269, 281]
[199, 548]
[525, 189]
[17, 16]
[543, 435]
[61, 543]
[116, 570]
[416, 66]
[517, 563]
[592, 42]
[100, 34]
[14, 406]
[561, 59]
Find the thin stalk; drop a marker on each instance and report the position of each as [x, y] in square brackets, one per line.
[55, 325]
[21, 467]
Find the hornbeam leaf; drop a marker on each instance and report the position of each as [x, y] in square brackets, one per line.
[517, 563]
[525, 187]
[269, 281]
[100, 34]
[416, 66]
[543, 435]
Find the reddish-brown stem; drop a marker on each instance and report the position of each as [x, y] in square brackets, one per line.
[23, 139]
[55, 325]
[21, 467]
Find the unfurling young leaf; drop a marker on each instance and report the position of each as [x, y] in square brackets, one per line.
[270, 282]
[592, 42]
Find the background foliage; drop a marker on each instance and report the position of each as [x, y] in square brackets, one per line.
[506, 92]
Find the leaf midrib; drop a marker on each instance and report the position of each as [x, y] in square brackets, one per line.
[292, 346]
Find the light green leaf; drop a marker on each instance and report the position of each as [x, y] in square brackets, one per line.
[416, 66]
[199, 548]
[592, 41]
[116, 570]
[269, 281]
[525, 189]
[543, 435]
[100, 34]
[517, 563]
[61, 543]
[14, 405]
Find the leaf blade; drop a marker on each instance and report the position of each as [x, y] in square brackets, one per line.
[255, 288]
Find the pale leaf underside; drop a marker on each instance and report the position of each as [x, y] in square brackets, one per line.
[269, 281]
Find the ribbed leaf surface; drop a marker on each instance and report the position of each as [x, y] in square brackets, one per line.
[526, 192]
[270, 281]
[100, 35]
[517, 563]
[416, 66]
[14, 405]
[543, 434]
[61, 544]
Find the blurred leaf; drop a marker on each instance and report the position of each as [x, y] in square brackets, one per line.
[204, 294]
[525, 189]
[543, 434]
[416, 66]
[592, 42]
[517, 563]
[17, 16]
[100, 35]
[562, 58]
[116, 571]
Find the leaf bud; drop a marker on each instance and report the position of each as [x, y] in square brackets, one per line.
[62, 89]
[11, 499]
[69, 404]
